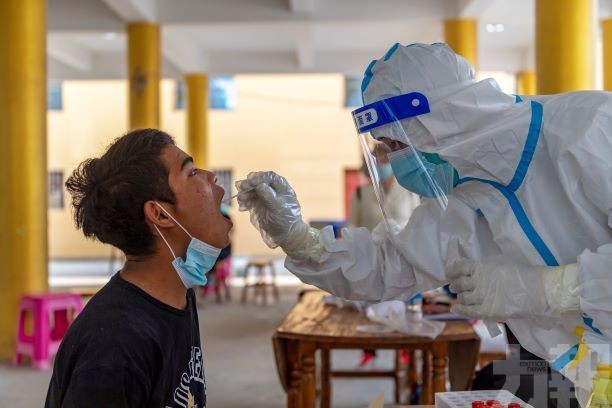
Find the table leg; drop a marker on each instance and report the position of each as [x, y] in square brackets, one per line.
[462, 360]
[294, 393]
[396, 378]
[325, 378]
[261, 284]
[440, 357]
[273, 280]
[309, 388]
[413, 375]
[243, 295]
[427, 391]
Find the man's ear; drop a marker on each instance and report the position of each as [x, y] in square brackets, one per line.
[156, 216]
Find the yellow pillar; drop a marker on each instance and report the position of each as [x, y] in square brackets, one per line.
[23, 159]
[564, 45]
[144, 74]
[462, 36]
[197, 118]
[526, 83]
[606, 33]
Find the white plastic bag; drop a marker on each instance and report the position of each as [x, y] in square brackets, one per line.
[394, 315]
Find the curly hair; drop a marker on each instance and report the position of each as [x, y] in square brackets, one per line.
[108, 193]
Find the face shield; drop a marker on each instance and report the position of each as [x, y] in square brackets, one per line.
[384, 123]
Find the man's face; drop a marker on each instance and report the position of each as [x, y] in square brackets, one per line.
[382, 157]
[394, 145]
[198, 199]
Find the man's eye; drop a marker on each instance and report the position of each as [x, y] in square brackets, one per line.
[193, 172]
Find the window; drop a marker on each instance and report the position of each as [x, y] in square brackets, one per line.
[56, 189]
[224, 179]
[221, 93]
[54, 96]
[352, 92]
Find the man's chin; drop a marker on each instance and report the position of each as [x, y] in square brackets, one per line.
[228, 241]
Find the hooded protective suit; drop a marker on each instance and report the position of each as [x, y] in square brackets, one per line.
[534, 189]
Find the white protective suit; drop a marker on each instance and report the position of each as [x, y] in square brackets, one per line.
[535, 189]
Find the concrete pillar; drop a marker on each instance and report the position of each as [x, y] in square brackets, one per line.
[462, 36]
[526, 83]
[564, 45]
[606, 34]
[197, 118]
[23, 159]
[144, 74]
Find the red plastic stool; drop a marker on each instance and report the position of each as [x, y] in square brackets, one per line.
[43, 343]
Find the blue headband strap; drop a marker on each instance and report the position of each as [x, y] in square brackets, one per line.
[390, 110]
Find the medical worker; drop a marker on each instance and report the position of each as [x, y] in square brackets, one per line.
[516, 208]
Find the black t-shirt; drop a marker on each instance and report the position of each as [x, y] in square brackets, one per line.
[127, 349]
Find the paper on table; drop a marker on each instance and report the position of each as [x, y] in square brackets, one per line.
[444, 316]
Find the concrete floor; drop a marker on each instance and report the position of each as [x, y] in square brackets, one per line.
[238, 359]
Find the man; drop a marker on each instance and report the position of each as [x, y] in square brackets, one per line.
[137, 342]
[518, 191]
[364, 209]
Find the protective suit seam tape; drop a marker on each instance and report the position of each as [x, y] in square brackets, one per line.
[508, 191]
[523, 220]
[531, 144]
[588, 321]
[529, 230]
[565, 358]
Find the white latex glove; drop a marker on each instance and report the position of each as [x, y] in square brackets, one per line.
[276, 213]
[502, 291]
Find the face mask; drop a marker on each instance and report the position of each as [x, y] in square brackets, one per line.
[200, 258]
[385, 171]
[422, 173]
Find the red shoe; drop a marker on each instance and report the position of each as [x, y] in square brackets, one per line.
[366, 358]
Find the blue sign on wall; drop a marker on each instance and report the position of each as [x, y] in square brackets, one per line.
[54, 96]
[222, 93]
[352, 92]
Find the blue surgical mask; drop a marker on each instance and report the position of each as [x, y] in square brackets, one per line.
[385, 171]
[422, 173]
[200, 258]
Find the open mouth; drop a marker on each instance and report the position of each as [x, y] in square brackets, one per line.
[220, 200]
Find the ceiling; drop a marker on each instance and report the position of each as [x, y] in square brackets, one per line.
[87, 37]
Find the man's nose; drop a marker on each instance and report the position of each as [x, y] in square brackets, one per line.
[210, 176]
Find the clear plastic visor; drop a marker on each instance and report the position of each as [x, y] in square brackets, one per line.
[391, 156]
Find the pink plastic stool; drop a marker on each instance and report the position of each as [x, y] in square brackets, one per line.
[43, 343]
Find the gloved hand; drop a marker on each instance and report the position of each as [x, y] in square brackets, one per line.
[276, 213]
[502, 291]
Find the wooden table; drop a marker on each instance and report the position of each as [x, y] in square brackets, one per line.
[311, 325]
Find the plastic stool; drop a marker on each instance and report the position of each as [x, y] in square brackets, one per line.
[43, 343]
[260, 284]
